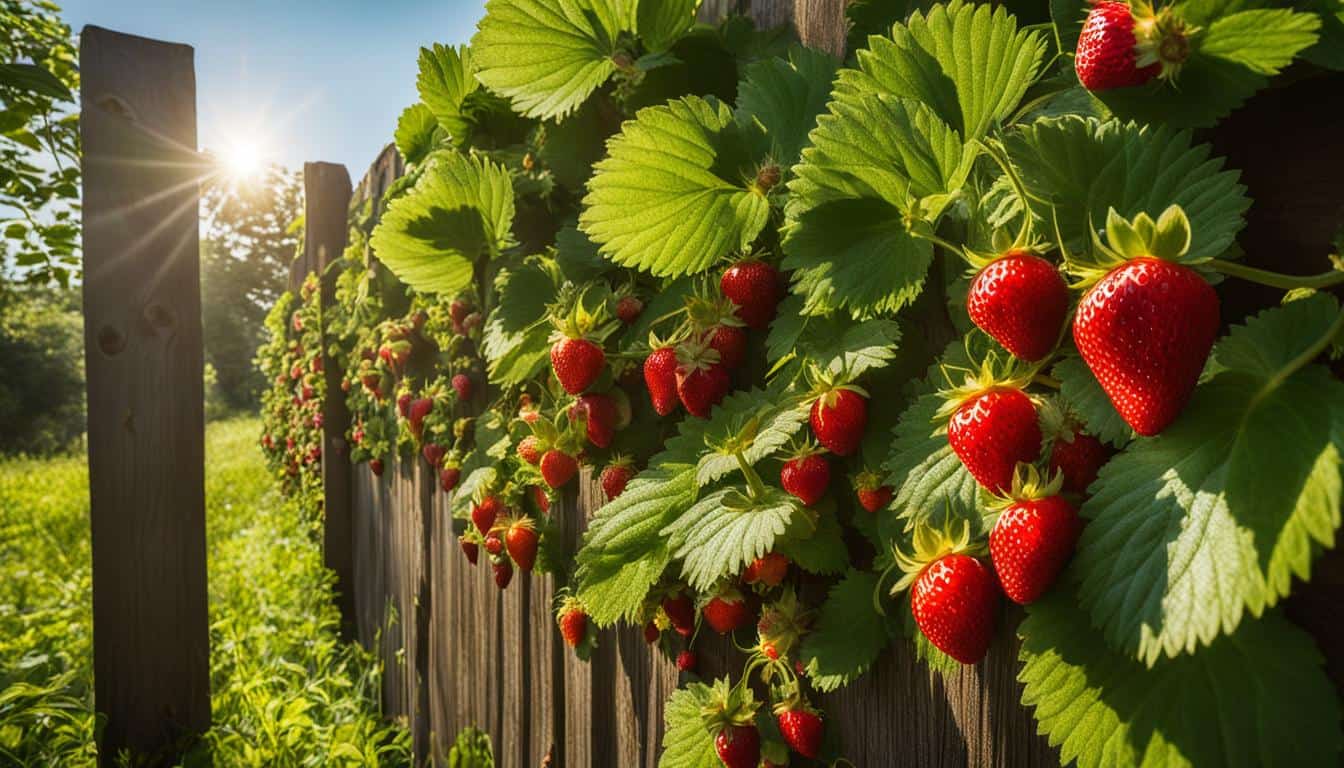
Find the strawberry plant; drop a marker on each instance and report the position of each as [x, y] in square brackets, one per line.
[933, 309]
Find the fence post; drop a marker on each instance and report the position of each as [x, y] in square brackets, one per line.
[142, 334]
[326, 209]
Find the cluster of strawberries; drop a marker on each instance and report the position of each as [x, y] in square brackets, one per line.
[292, 429]
[509, 535]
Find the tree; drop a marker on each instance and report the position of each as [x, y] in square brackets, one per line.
[41, 369]
[39, 145]
[250, 239]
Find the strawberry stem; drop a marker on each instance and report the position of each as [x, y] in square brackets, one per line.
[1308, 354]
[755, 488]
[1278, 280]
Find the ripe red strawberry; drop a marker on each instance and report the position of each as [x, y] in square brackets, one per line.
[1030, 544]
[802, 730]
[628, 309]
[540, 499]
[485, 513]
[726, 611]
[573, 626]
[419, 409]
[1020, 300]
[600, 417]
[433, 454]
[404, 405]
[992, 431]
[807, 477]
[769, 570]
[614, 479]
[702, 380]
[739, 746]
[1079, 459]
[558, 467]
[754, 286]
[1145, 331]
[458, 310]
[651, 633]
[527, 410]
[953, 601]
[838, 420]
[730, 341]
[529, 450]
[1108, 50]
[377, 466]
[494, 545]
[503, 570]
[462, 386]
[470, 549]
[660, 376]
[577, 363]
[521, 541]
[686, 661]
[448, 477]
[873, 496]
[681, 612]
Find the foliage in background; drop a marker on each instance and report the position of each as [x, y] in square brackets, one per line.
[41, 369]
[292, 359]
[39, 145]
[285, 690]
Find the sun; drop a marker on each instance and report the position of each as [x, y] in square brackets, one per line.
[242, 160]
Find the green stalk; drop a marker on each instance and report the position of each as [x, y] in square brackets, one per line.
[1277, 280]
[755, 488]
[1308, 354]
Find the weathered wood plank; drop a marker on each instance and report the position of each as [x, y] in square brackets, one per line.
[146, 422]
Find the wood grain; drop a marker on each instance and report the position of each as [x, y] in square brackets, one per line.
[146, 422]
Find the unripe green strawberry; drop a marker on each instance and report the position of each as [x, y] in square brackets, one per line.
[991, 432]
[1020, 300]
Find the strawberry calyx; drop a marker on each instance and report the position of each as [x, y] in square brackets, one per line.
[931, 545]
[867, 480]
[1167, 238]
[1160, 37]
[705, 311]
[1028, 485]
[729, 706]
[991, 375]
[695, 354]
[782, 625]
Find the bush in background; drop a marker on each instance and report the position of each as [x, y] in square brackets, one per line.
[41, 370]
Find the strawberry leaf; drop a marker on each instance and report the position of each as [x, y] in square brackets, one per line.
[661, 23]
[446, 79]
[1256, 698]
[848, 635]
[833, 343]
[687, 743]
[1088, 401]
[786, 96]
[823, 551]
[725, 530]
[515, 334]
[924, 472]
[415, 135]
[1076, 169]
[547, 56]
[774, 426]
[460, 208]
[1217, 515]
[1328, 51]
[672, 195]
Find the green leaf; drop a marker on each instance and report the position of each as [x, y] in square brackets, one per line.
[969, 62]
[515, 335]
[547, 56]
[415, 133]
[822, 550]
[832, 342]
[671, 197]
[1328, 51]
[1088, 401]
[578, 257]
[724, 531]
[1219, 514]
[34, 79]
[686, 742]
[660, 23]
[849, 633]
[1075, 169]
[571, 146]
[786, 96]
[774, 423]
[1263, 41]
[1256, 698]
[431, 236]
[446, 79]
[922, 469]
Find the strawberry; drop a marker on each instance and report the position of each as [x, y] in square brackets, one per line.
[471, 322]
[600, 417]
[726, 611]
[494, 545]
[503, 571]
[573, 626]
[660, 376]
[651, 633]
[992, 431]
[433, 454]
[377, 466]
[681, 612]
[1020, 300]
[953, 597]
[754, 286]
[769, 570]
[470, 549]
[1079, 459]
[730, 341]
[484, 514]
[558, 467]
[527, 410]
[1145, 331]
[702, 380]
[806, 476]
[1033, 537]
[458, 310]
[838, 419]
[540, 499]
[462, 386]
[615, 477]
[739, 746]
[416, 414]
[529, 449]
[577, 363]
[404, 405]
[628, 309]
[801, 728]
[686, 661]
[1122, 46]
[521, 541]
[448, 477]
[873, 496]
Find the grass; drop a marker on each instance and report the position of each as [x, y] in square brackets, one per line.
[285, 690]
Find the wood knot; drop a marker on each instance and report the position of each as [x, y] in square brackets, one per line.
[159, 318]
[111, 341]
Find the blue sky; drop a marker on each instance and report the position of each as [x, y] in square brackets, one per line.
[303, 79]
